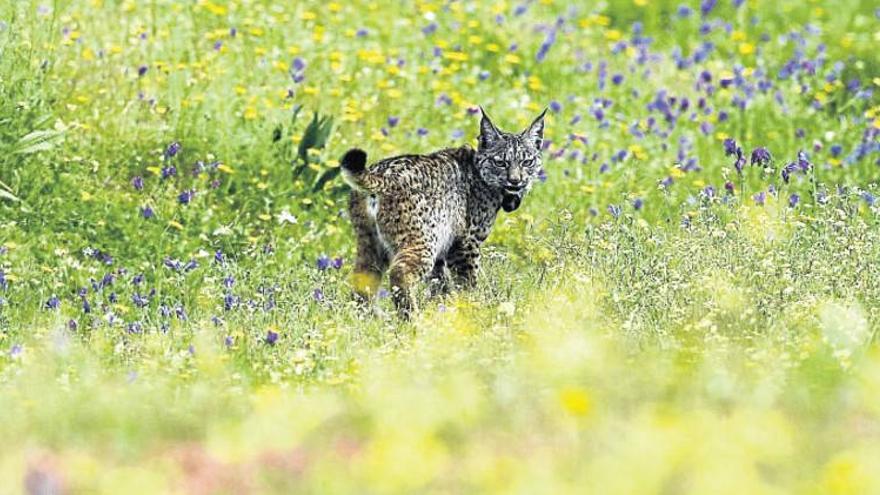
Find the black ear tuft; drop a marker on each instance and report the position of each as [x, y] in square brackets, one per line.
[489, 134]
[354, 160]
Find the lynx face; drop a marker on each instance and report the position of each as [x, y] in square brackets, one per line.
[510, 162]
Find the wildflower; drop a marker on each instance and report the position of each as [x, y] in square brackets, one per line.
[190, 265]
[72, 325]
[803, 161]
[708, 192]
[616, 79]
[15, 350]
[137, 279]
[761, 156]
[142, 70]
[138, 183]
[422, 131]
[393, 121]
[228, 341]
[168, 172]
[135, 327]
[228, 282]
[638, 203]
[172, 150]
[614, 210]
[337, 263]
[173, 264]
[53, 303]
[147, 212]
[86, 307]
[323, 262]
[218, 45]
[759, 198]
[229, 302]
[868, 198]
[793, 200]
[186, 197]
[318, 295]
[730, 147]
[684, 11]
[836, 149]
[139, 300]
[271, 337]
[555, 106]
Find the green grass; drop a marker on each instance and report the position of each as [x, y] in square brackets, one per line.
[699, 343]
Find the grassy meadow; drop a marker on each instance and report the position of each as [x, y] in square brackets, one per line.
[689, 303]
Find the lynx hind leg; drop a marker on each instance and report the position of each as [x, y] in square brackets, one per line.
[439, 279]
[371, 260]
[410, 266]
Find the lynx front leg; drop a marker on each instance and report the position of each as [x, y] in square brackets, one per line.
[464, 262]
[409, 267]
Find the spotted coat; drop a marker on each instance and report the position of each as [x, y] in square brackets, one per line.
[426, 216]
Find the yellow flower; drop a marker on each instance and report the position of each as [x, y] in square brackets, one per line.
[746, 48]
[576, 401]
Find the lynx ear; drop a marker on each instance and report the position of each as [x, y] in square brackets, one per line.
[489, 134]
[535, 132]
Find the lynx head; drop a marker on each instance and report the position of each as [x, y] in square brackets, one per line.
[507, 162]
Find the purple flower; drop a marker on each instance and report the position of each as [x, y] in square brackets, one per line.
[708, 192]
[53, 303]
[555, 106]
[638, 203]
[218, 257]
[228, 341]
[393, 121]
[173, 264]
[318, 295]
[793, 200]
[190, 265]
[429, 29]
[729, 187]
[616, 79]
[172, 149]
[137, 279]
[614, 210]
[337, 263]
[868, 198]
[271, 337]
[138, 183]
[760, 198]
[228, 282]
[15, 350]
[836, 149]
[361, 33]
[168, 172]
[218, 45]
[729, 147]
[761, 156]
[142, 70]
[147, 212]
[298, 64]
[684, 11]
[422, 131]
[323, 262]
[139, 300]
[86, 307]
[803, 161]
[229, 302]
[706, 6]
[186, 196]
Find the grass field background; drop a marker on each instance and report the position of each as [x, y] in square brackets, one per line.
[672, 310]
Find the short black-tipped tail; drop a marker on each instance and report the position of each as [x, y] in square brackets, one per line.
[354, 161]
